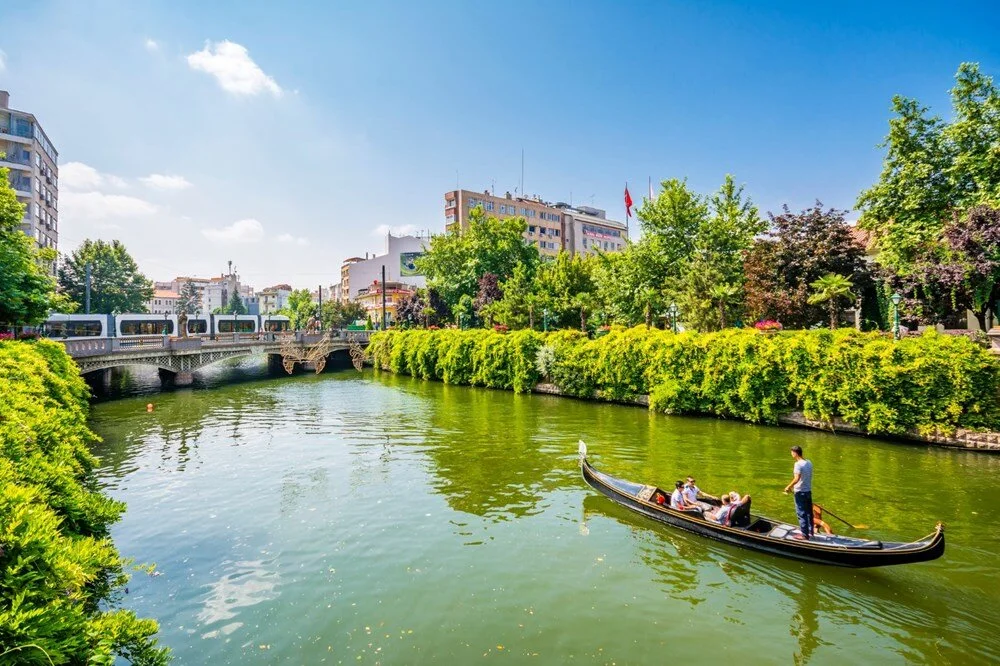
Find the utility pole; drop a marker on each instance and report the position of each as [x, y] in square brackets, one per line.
[86, 306]
[385, 321]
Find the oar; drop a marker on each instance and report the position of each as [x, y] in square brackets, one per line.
[857, 527]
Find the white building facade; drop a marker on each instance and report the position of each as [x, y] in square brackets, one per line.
[399, 261]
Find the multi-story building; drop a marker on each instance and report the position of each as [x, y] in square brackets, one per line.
[34, 172]
[370, 298]
[588, 230]
[545, 221]
[164, 301]
[274, 298]
[399, 260]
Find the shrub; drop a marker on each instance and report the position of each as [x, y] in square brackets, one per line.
[927, 383]
[59, 572]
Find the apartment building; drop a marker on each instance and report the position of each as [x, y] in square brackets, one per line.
[370, 298]
[164, 301]
[34, 172]
[589, 231]
[274, 298]
[545, 221]
[399, 260]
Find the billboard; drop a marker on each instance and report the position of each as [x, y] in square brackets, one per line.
[408, 263]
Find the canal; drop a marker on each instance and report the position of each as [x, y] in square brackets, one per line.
[349, 518]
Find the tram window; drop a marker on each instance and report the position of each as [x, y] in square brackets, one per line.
[226, 326]
[72, 329]
[275, 326]
[197, 326]
[147, 327]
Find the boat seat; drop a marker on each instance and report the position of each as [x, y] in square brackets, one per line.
[740, 517]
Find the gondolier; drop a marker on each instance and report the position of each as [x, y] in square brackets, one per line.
[801, 483]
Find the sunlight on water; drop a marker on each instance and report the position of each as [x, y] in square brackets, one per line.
[378, 519]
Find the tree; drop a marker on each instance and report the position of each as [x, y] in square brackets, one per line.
[933, 174]
[116, 283]
[489, 292]
[456, 261]
[235, 305]
[801, 248]
[583, 302]
[27, 293]
[299, 309]
[341, 315]
[830, 289]
[189, 300]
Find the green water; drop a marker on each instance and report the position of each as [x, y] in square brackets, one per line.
[378, 519]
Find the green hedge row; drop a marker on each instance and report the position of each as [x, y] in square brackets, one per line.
[926, 383]
[60, 574]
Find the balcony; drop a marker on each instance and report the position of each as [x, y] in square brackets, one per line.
[17, 134]
[21, 185]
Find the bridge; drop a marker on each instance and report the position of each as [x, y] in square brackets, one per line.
[178, 358]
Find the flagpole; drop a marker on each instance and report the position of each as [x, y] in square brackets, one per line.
[626, 212]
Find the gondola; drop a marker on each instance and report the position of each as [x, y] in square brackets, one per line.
[760, 533]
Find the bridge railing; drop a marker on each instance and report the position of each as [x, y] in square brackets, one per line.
[95, 347]
[140, 342]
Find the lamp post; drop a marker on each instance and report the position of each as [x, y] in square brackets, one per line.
[673, 315]
[545, 320]
[461, 321]
[896, 298]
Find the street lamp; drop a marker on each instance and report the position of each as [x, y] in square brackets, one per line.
[674, 311]
[896, 298]
[545, 320]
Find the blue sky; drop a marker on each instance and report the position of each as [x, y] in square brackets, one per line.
[288, 136]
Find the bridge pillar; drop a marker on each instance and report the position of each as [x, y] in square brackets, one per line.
[170, 378]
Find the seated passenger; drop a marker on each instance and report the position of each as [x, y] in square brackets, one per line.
[721, 515]
[690, 492]
[660, 499]
[677, 497]
[735, 498]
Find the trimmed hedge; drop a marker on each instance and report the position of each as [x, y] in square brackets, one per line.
[59, 570]
[928, 383]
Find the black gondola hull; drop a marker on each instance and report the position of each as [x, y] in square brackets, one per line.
[862, 556]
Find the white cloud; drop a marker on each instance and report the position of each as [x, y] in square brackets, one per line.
[79, 176]
[162, 182]
[152, 45]
[396, 230]
[289, 239]
[232, 67]
[241, 231]
[100, 206]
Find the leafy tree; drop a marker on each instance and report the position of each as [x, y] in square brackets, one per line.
[934, 172]
[517, 307]
[800, 249]
[299, 309]
[974, 244]
[489, 292]
[189, 301]
[630, 283]
[235, 305]
[830, 289]
[116, 283]
[27, 293]
[584, 303]
[456, 261]
[341, 315]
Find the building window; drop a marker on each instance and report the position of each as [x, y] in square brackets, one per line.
[503, 208]
[489, 205]
[531, 229]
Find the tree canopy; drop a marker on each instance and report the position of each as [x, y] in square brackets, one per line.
[299, 309]
[116, 283]
[455, 262]
[27, 292]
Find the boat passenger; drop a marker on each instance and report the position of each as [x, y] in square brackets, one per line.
[677, 497]
[721, 515]
[690, 492]
[818, 521]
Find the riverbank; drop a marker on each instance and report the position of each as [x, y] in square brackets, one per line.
[60, 574]
[934, 388]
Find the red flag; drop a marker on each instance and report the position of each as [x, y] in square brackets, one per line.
[628, 203]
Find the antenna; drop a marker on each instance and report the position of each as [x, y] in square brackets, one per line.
[522, 172]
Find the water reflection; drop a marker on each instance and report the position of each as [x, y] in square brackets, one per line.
[245, 583]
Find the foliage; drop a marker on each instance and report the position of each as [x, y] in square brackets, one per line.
[934, 170]
[928, 383]
[189, 301]
[488, 292]
[299, 309]
[60, 575]
[456, 261]
[27, 293]
[800, 249]
[830, 289]
[336, 314]
[235, 305]
[116, 283]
